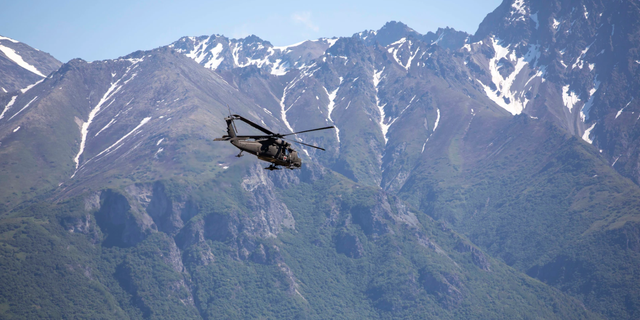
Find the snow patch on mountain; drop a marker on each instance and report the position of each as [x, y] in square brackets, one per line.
[377, 77]
[518, 10]
[586, 13]
[107, 126]
[257, 62]
[579, 61]
[425, 144]
[614, 161]
[215, 60]
[331, 106]
[283, 109]
[198, 54]
[84, 130]
[27, 88]
[411, 59]
[286, 49]
[510, 98]
[246, 52]
[396, 46]
[569, 98]
[15, 57]
[108, 150]
[519, 7]
[8, 106]
[617, 114]
[279, 68]
[9, 39]
[426, 127]
[28, 104]
[587, 133]
[584, 112]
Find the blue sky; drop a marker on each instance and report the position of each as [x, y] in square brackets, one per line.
[96, 30]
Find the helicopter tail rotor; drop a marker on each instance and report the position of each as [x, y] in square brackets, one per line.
[235, 130]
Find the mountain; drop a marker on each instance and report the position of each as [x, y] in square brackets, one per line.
[572, 62]
[22, 65]
[569, 63]
[457, 184]
[151, 206]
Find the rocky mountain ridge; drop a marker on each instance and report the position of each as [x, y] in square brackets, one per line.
[23, 65]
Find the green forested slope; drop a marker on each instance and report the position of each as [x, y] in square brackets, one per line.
[543, 202]
[355, 252]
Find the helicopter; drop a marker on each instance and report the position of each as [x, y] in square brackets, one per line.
[270, 147]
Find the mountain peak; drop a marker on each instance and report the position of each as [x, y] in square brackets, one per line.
[395, 25]
[449, 38]
[511, 17]
[393, 31]
[254, 39]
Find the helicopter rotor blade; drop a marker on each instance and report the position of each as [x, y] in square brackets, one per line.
[308, 145]
[323, 128]
[255, 125]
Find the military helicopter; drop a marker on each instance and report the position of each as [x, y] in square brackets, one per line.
[271, 147]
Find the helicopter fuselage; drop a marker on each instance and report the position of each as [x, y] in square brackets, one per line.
[276, 151]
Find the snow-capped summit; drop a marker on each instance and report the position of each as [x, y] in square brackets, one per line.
[221, 53]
